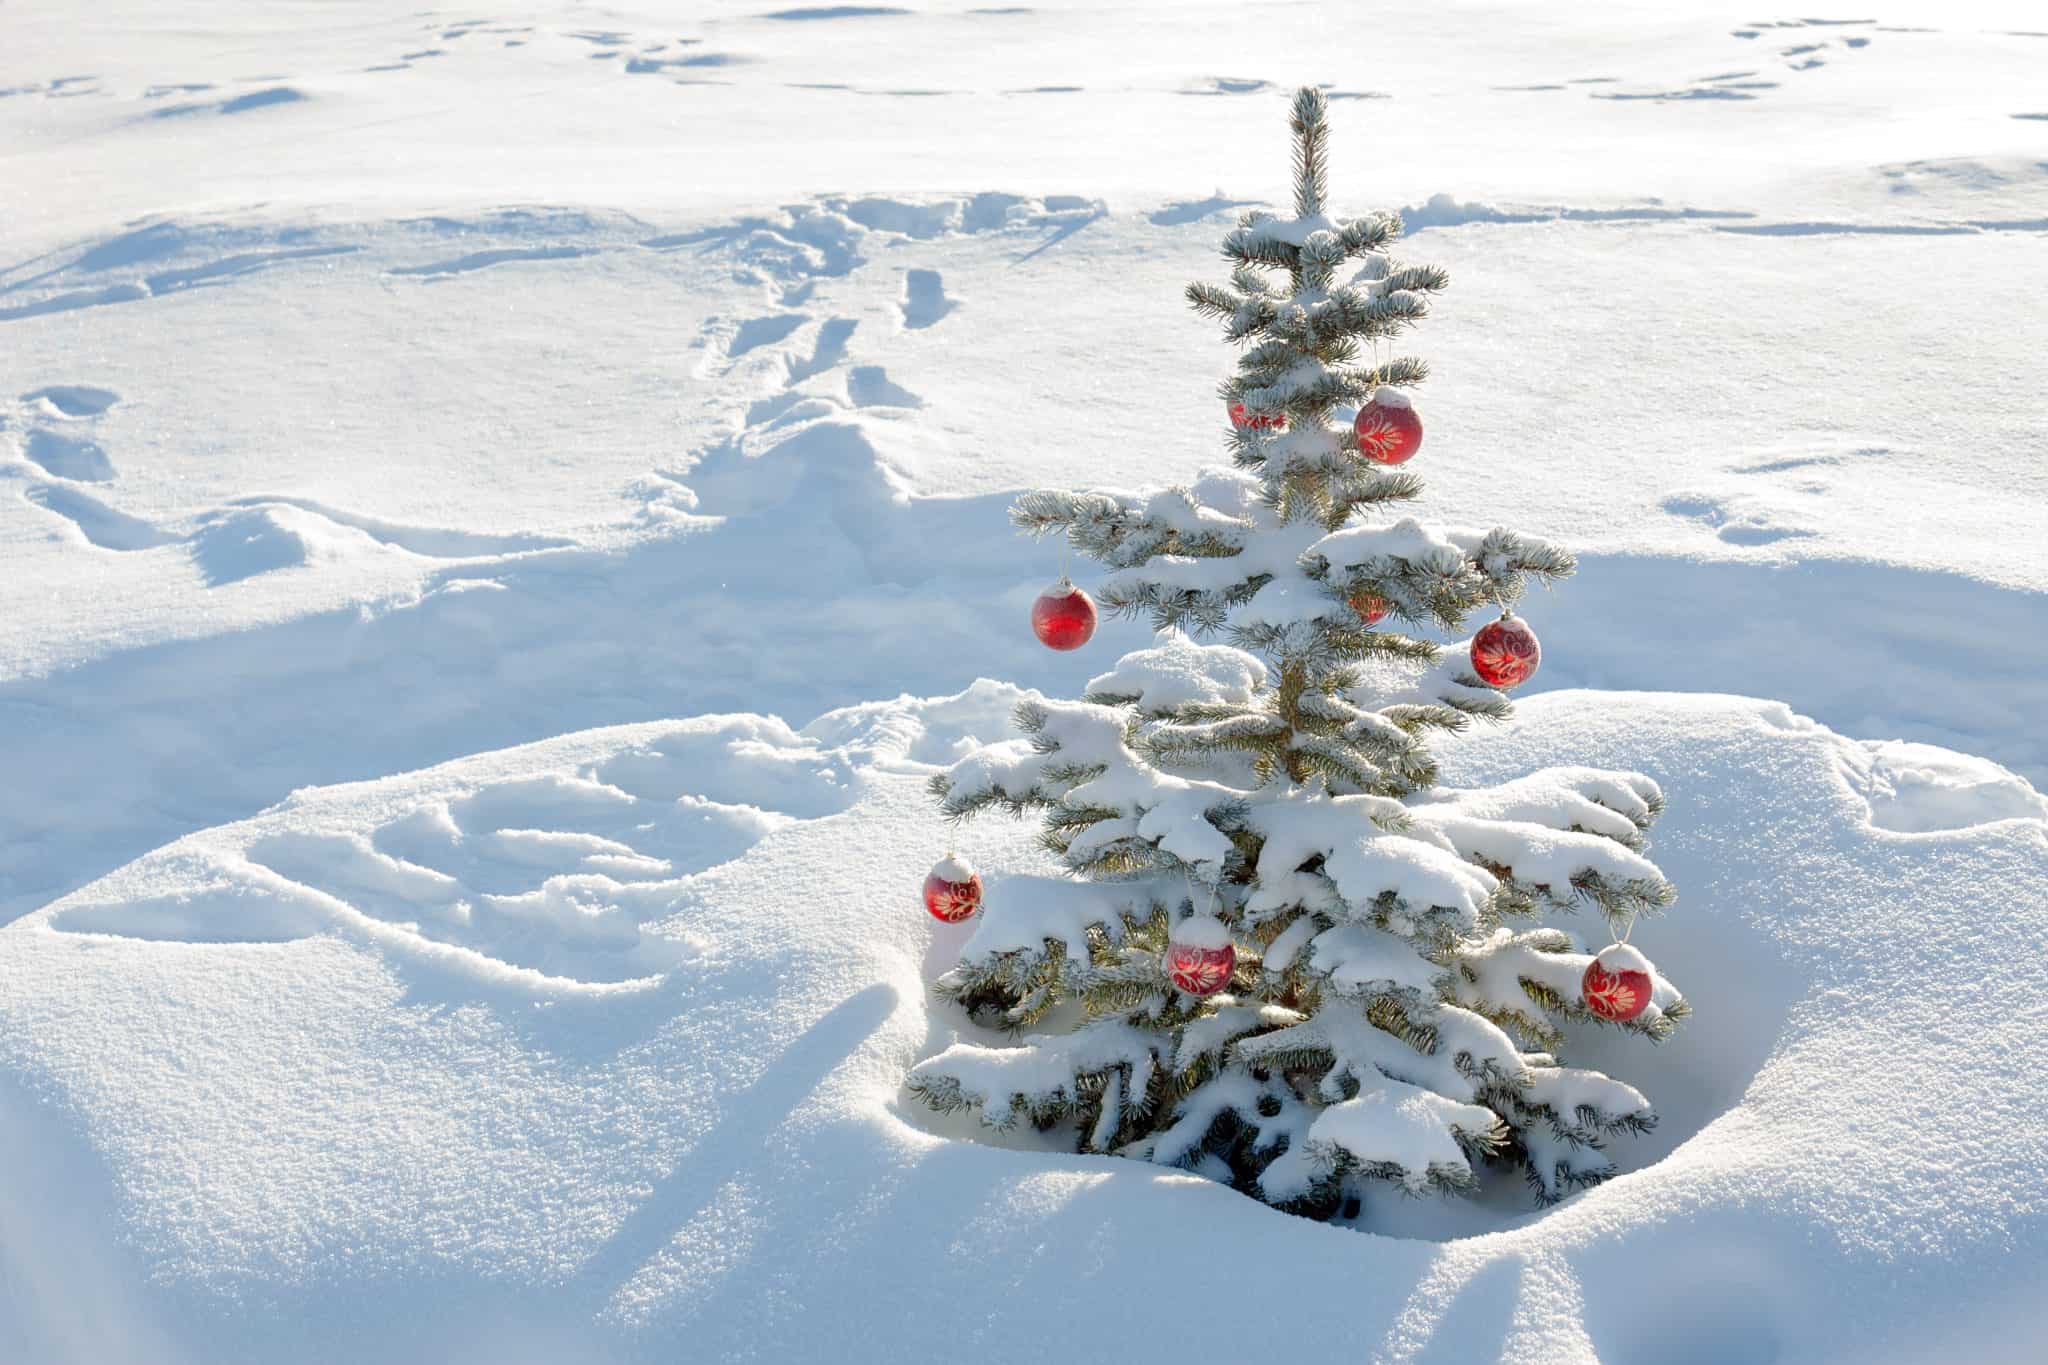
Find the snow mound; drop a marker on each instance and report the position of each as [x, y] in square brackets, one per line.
[248, 541]
[651, 1080]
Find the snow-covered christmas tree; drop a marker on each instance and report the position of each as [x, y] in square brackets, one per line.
[1278, 952]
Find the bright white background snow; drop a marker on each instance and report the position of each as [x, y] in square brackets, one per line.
[383, 388]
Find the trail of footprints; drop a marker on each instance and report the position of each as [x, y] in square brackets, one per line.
[562, 873]
[1807, 52]
[814, 351]
[59, 421]
[802, 361]
[790, 255]
[679, 60]
[1809, 55]
[65, 453]
[818, 350]
[248, 537]
[793, 370]
[1809, 44]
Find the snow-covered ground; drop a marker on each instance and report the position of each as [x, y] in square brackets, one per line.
[593, 1048]
[385, 389]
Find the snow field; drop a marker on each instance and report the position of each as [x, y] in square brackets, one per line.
[456, 396]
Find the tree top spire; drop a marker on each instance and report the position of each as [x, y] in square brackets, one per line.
[1311, 125]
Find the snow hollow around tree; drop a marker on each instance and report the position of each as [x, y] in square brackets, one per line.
[592, 1049]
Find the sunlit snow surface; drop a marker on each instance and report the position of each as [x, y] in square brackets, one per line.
[382, 388]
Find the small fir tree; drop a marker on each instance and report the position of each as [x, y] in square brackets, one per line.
[1392, 1011]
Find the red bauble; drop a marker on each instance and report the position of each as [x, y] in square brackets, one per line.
[1370, 606]
[1244, 419]
[953, 890]
[1506, 652]
[1617, 983]
[1063, 617]
[1204, 966]
[1388, 430]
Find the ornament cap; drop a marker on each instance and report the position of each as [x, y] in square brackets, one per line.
[953, 868]
[1201, 931]
[1621, 957]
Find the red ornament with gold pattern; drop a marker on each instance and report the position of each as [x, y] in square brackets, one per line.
[1506, 652]
[953, 890]
[1387, 428]
[1617, 983]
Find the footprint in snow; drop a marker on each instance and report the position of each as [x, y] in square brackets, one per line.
[1735, 521]
[69, 457]
[407, 59]
[239, 104]
[71, 400]
[1228, 85]
[99, 524]
[64, 87]
[828, 351]
[652, 66]
[755, 333]
[869, 387]
[924, 299]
